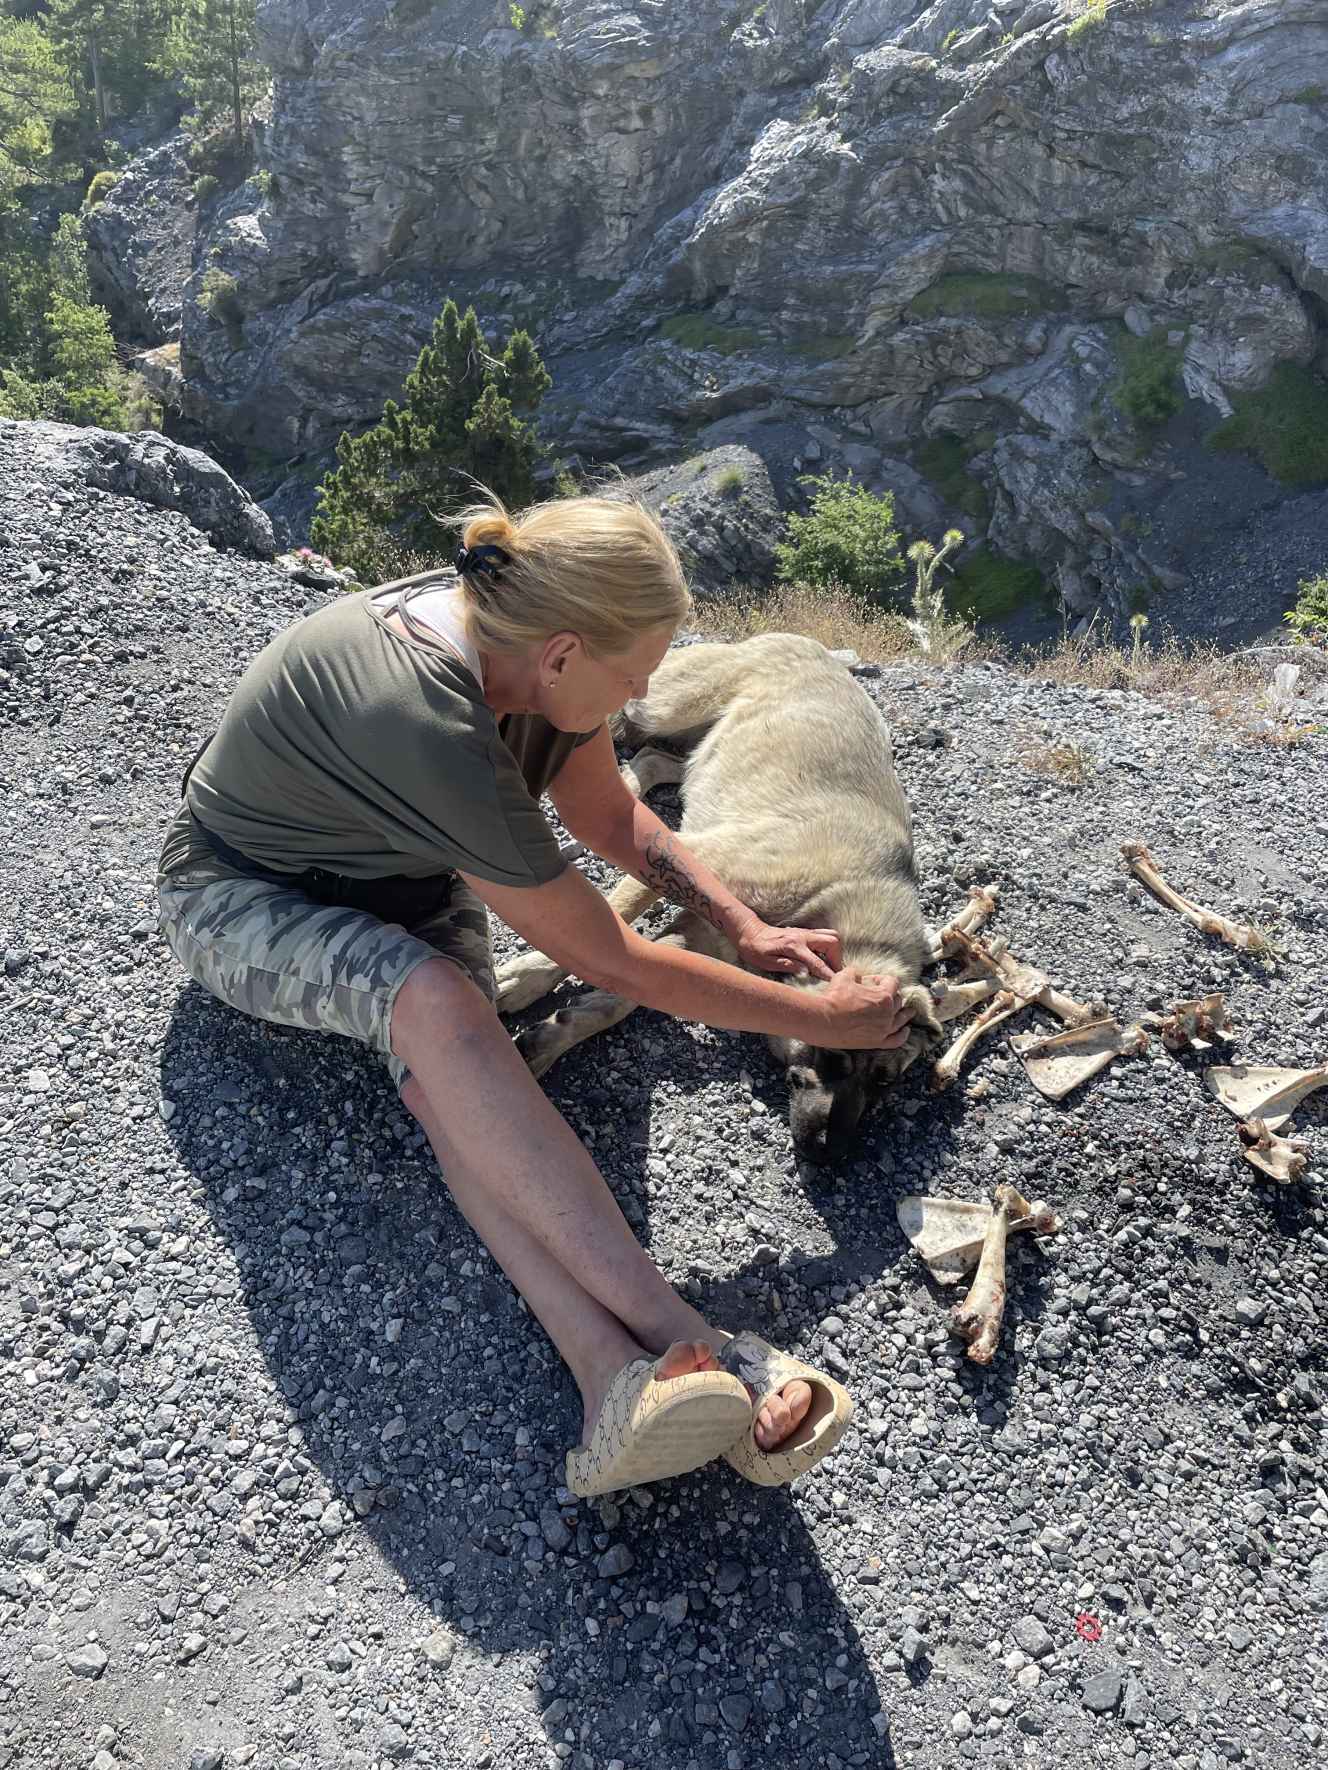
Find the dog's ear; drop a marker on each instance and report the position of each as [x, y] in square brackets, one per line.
[917, 999]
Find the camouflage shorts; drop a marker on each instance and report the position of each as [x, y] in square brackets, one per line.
[275, 953]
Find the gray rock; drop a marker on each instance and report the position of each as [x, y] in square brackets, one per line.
[1102, 1692]
[736, 1710]
[1033, 1636]
[87, 1661]
[615, 1560]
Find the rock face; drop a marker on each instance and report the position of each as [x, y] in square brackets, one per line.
[854, 226]
[141, 240]
[152, 469]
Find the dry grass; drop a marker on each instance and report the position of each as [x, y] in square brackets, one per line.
[1069, 764]
[837, 618]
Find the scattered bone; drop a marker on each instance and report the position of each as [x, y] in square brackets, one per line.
[1262, 1091]
[1193, 1026]
[1026, 982]
[1278, 1157]
[978, 1318]
[1144, 868]
[946, 1069]
[981, 906]
[950, 1000]
[1058, 1064]
[948, 1233]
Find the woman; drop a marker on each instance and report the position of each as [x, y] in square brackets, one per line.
[372, 787]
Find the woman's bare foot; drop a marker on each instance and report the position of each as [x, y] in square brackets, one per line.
[779, 1416]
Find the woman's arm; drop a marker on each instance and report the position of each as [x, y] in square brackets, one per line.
[571, 922]
[600, 810]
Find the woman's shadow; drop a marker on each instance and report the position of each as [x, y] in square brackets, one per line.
[697, 1615]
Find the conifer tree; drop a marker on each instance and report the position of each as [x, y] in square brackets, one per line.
[466, 416]
[211, 49]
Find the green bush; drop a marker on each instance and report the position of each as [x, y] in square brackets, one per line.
[943, 460]
[1094, 13]
[1149, 388]
[206, 187]
[220, 297]
[23, 398]
[730, 479]
[1309, 618]
[988, 586]
[1285, 425]
[848, 539]
[265, 182]
[99, 188]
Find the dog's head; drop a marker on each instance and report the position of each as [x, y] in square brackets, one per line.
[829, 1091]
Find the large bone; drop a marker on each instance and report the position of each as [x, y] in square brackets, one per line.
[1277, 1157]
[948, 1233]
[946, 1069]
[1025, 982]
[950, 1000]
[1144, 868]
[980, 907]
[1193, 1026]
[1262, 1091]
[978, 1318]
[1059, 1063]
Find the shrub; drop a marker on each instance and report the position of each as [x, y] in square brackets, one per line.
[206, 187]
[989, 586]
[264, 182]
[220, 297]
[943, 460]
[1149, 389]
[730, 479]
[1092, 12]
[22, 397]
[1309, 618]
[1285, 426]
[848, 538]
[516, 16]
[99, 188]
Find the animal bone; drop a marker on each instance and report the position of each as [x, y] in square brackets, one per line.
[978, 1318]
[946, 1069]
[948, 1233]
[992, 958]
[1262, 1091]
[1277, 1157]
[1193, 1026]
[1144, 868]
[950, 1000]
[1059, 1063]
[980, 907]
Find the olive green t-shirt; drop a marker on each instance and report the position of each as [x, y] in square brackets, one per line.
[351, 746]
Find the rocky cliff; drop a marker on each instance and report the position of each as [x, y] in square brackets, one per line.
[834, 233]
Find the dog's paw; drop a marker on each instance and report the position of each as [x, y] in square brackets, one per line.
[541, 1046]
[522, 981]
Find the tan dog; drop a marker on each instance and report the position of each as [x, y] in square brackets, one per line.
[790, 796]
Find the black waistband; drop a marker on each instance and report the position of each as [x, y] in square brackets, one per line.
[392, 897]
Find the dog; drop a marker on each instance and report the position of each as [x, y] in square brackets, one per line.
[790, 796]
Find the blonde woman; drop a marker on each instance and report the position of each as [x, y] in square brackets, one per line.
[372, 790]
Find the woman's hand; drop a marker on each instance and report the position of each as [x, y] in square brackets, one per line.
[860, 1013]
[792, 951]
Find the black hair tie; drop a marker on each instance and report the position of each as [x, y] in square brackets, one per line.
[487, 560]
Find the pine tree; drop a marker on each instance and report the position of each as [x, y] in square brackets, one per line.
[211, 49]
[461, 421]
[35, 95]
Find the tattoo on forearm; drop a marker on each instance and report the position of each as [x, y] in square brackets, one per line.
[663, 871]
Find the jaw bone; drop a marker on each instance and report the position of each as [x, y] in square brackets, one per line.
[1026, 982]
[1278, 1157]
[978, 1318]
[1262, 1091]
[948, 1233]
[1059, 1063]
[1193, 1026]
[980, 906]
[946, 1069]
[1144, 868]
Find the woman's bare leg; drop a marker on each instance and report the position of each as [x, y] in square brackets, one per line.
[536, 1199]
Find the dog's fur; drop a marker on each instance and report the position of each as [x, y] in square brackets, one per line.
[791, 797]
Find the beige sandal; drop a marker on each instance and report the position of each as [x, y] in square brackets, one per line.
[765, 1371]
[650, 1428]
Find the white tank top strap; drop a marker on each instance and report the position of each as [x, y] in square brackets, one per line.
[439, 608]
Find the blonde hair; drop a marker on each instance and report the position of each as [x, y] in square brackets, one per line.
[598, 567]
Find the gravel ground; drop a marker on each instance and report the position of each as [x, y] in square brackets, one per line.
[279, 1454]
